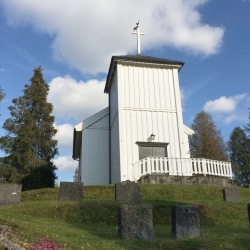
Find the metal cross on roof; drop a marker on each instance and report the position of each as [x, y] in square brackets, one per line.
[138, 33]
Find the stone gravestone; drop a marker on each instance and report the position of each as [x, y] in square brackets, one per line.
[135, 222]
[127, 191]
[71, 191]
[10, 193]
[185, 222]
[248, 210]
[231, 194]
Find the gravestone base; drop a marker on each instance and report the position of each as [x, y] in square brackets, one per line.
[186, 180]
[71, 191]
[10, 193]
[135, 222]
[127, 191]
[185, 222]
[231, 194]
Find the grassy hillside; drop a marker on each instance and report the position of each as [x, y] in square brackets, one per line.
[92, 223]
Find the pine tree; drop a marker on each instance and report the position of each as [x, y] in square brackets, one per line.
[29, 142]
[239, 146]
[207, 141]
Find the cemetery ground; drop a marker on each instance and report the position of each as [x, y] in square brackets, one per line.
[92, 222]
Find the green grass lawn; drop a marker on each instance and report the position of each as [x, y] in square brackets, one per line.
[92, 223]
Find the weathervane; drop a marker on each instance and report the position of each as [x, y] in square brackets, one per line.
[138, 33]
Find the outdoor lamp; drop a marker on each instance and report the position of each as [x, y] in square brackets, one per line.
[152, 137]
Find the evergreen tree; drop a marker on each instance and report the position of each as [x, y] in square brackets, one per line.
[29, 142]
[207, 142]
[8, 173]
[239, 146]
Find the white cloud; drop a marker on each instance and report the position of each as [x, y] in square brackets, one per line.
[224, 104]
[64, 136]
[228, 109]
[86, 33]
[77, 100]
[66, 164]
[229, 119]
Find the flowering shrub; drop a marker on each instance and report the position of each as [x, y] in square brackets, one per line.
[44, 244]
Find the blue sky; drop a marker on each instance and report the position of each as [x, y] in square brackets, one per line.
[74, 40]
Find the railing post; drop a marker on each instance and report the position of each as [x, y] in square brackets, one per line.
[149, 167]
[160, 167]
[204, 166]
[189, 166]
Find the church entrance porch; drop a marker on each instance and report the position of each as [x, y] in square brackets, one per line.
[180, 167]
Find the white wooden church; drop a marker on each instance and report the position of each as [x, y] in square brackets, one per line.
[141, 132]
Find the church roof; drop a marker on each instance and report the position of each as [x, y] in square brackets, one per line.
[139, 59]
[77, 136]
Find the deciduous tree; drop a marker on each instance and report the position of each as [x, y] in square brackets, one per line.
[239, 147]
[207, 141]
[75, 177]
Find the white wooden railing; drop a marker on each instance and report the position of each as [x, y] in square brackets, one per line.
[179, 167]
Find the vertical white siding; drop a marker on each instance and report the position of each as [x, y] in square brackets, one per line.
[113, 99]
[114, 133]
[95, 153]
[148, 102]
[179, 120]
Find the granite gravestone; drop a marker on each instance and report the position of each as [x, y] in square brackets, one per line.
[248, 210]
[71, 191]
[185, 222]
[231, 194]
[10, 193]
[135, 222]
[127, 191]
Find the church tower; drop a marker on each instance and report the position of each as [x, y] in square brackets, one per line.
[145, 114]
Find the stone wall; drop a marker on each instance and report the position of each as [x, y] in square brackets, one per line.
[10, 193]
[189, 180]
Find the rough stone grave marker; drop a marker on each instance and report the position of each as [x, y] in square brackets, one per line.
[185, 221]
[248, 210]
[231, 194]
[71, 191]
[135, 222]
[127, 191]
[10, 193]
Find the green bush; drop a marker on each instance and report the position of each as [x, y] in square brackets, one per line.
[41, 177]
